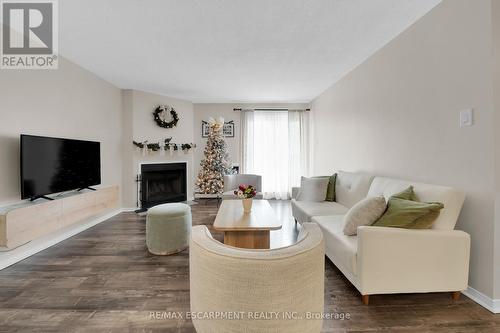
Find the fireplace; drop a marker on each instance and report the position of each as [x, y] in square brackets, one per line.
[162, 183]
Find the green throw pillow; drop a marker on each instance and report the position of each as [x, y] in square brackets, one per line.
[408, 213]
[407, 194]
[330, 192]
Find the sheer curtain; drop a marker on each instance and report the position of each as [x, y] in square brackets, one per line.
[275, 145]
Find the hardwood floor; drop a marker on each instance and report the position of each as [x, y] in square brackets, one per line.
[104, 280]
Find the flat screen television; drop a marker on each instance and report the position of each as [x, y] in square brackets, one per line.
[52, 165]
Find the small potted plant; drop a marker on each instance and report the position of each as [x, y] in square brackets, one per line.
[246, 193]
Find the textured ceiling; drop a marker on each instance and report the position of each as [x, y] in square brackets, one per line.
[230, 50]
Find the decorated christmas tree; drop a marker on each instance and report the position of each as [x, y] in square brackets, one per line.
[216, 163]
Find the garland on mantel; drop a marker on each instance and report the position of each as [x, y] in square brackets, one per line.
[165, 145]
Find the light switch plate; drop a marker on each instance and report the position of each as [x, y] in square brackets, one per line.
[466, 117]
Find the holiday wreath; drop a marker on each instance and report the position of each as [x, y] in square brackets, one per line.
[160, 114]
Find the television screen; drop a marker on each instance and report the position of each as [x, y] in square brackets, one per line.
[51, 165]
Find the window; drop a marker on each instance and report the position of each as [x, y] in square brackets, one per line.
[275, 145]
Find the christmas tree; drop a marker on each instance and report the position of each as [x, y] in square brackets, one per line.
[216, 163]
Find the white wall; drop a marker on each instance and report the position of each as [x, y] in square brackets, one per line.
[496, 94]
[69, 102]
[129, 187]
[203, 111]
[139, 126]
[397, 115]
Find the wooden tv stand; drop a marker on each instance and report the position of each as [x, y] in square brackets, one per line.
[24, 222]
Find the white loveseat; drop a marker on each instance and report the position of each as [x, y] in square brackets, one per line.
[383, 260]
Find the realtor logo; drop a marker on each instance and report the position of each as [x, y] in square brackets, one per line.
[29, 34]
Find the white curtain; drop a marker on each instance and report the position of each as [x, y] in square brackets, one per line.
[275, 145]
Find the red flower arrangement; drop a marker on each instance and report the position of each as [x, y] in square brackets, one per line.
[245, 191]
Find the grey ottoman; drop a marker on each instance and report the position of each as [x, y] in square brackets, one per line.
[168, 227]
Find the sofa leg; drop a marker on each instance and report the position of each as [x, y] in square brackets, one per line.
[455, 295]
[366, 299]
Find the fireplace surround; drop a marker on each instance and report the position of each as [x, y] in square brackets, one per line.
[162, 183]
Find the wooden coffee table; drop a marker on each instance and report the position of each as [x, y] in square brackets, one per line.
[250, 231]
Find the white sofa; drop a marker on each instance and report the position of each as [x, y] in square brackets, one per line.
[227, 280]
[392, 260]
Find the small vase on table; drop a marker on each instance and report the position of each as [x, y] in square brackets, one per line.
[246, 193]
[247, 205]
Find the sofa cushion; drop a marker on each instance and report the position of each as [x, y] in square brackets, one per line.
[304, 210]
[350, 187]
[344, 248]
[313, 189]
[330, 191]
[452, 199]
[364, 212]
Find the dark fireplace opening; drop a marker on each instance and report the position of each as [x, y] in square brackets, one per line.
[162, 183]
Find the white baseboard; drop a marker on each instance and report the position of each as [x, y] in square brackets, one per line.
[13, 256]
[490, 304]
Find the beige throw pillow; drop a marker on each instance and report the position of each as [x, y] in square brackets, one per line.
[364, 212]
[313, 189]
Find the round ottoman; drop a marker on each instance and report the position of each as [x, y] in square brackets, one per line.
[168, 227]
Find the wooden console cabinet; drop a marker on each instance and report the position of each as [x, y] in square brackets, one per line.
[27, 221]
